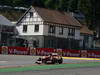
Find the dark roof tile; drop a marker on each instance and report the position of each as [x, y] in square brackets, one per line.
[85, 30]
[55, 16]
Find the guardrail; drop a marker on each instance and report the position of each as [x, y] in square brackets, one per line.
[46, 51]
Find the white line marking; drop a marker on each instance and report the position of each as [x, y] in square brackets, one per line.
[3, 61]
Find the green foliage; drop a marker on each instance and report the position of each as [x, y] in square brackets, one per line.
[63, 5]
[73, 5]
[56, 4]
[85, 7]
[91, 9]
[53, 4]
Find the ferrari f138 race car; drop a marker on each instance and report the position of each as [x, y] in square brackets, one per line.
[50, 59]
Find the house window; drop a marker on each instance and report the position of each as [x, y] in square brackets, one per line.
[71, 31]
[24, 28]
[36, 28]
[51, 29]
[31, 14]
[61, 30]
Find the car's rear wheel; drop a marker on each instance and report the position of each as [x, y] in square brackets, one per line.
[44, 61]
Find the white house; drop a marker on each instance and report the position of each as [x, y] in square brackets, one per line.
[46, 28]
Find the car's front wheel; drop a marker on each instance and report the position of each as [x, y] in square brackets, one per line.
[60, 61]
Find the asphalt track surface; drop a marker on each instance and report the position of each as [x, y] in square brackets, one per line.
[16, 60]
[18, 65]
[21, 60]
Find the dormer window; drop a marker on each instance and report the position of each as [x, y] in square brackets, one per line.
[31, 14]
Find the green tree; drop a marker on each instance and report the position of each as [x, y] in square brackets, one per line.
[63, 5]
[53, 4]
[91, 9]
[39, 3]
[2, 2]
[56, 4]
[73, 5]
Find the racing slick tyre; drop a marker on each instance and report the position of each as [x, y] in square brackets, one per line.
[54, 61]
[60, 61]
[44, 61]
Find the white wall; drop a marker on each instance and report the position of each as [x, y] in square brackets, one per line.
[30, 22]
[30, 30]
[45, 30]
[77, 34]
[65, 32]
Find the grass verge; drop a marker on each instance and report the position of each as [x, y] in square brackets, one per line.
[45, 67]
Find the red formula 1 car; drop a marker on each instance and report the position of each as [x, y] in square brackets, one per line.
[50, 59]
